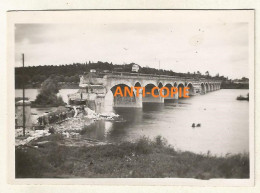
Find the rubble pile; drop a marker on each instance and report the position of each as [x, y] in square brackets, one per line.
[29, 136]
[69, 128]
[100, 116]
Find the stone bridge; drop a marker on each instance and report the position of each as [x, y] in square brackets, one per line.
[94, 87]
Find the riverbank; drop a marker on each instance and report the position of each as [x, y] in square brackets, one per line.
[234, 86]
[56, 156]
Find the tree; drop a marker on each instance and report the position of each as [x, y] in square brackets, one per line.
[48, 94]
[50, 85]
[244, 79]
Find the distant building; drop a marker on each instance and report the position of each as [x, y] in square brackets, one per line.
[135, 68]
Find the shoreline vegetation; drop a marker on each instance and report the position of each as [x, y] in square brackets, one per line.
[54, 156]
[234, 86]
[67, 75]
[47, 96]
[76, 86]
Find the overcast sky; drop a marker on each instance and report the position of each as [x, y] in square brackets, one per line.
[217, 48]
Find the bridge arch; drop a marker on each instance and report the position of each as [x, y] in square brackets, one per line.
[149, 87]
[149, 98]
[169, 86]
[191, 89]
[167, 82]
[210, 87]
[140, 91]
[125, 100]
[175, 84]
[148, 81]
[180, 85]
[207, 87]
[137, 84]
[214, 86]
[121, 82]
[203, 88]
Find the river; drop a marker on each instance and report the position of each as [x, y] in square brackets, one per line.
[224, 122]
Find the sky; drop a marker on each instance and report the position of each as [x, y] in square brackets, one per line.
[180, 47]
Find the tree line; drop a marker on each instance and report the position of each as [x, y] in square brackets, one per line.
[33, 76]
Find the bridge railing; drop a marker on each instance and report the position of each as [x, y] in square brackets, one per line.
[155, 76]
[143, 75]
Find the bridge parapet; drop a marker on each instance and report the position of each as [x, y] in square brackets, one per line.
[156, 77]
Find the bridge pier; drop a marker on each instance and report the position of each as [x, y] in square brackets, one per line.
[151, 99]
[192, 90]
[170, 98]
[100, 103]
[139, 101]
[129, 101]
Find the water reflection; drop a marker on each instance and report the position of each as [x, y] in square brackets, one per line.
[223, 119]
[224, 122]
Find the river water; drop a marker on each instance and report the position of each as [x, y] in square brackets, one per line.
[224, 122]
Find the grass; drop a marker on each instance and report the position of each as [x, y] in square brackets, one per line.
[144, 158]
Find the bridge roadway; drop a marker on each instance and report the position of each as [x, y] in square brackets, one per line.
[94, 87]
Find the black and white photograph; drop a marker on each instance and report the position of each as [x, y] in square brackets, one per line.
[137, 94]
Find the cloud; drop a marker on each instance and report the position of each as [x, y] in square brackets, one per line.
[180, 47]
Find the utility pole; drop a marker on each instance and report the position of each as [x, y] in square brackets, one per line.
[159, 67]
[23, 97]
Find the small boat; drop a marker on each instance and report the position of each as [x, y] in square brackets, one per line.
[243, 98]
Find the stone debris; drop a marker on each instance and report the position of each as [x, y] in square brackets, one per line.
[100, 116]
[66, 134]
[69, 128]
[30, 135]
